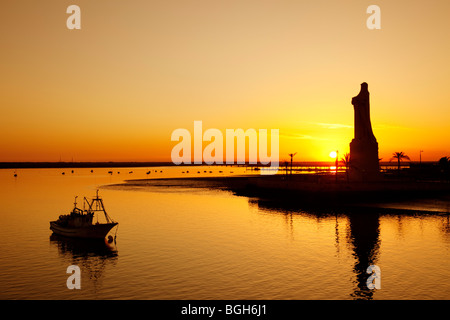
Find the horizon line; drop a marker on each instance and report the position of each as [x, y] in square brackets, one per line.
[103, 164]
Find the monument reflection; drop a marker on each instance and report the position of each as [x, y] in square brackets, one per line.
[363, 236]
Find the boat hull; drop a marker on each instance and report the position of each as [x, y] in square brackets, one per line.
[95, 231]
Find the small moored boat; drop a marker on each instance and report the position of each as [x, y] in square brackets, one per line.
[79, 223]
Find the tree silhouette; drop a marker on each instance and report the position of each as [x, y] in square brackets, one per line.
[286, 165]
[346, 162]
[400, 156]
[292, 158]
[444, 164]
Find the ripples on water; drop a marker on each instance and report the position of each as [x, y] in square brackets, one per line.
[193, 243]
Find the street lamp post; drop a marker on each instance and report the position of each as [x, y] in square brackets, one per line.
[337, 163]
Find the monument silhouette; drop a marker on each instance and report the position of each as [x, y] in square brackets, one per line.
[364, 162]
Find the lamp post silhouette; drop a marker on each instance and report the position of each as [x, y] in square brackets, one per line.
[337, 164]
[335, 154]
[292, 157]
[420, 156]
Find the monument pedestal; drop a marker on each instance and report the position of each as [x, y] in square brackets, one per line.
[364, 163]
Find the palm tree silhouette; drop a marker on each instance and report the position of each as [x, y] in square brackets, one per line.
[292, 158]
[444, 164]
[346, 162]
[400, 156]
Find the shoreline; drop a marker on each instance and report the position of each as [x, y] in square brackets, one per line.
[61, 165]
[117, 164]
[308, 190]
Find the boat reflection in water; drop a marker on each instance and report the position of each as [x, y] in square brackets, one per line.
[93, 256]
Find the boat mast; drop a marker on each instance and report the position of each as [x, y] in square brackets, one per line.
[99, 206]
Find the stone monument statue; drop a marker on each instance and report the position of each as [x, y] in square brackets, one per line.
[364, 162]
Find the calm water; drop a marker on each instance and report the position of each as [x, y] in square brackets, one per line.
[190, 243]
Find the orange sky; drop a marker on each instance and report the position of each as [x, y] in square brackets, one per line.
[137, 70]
